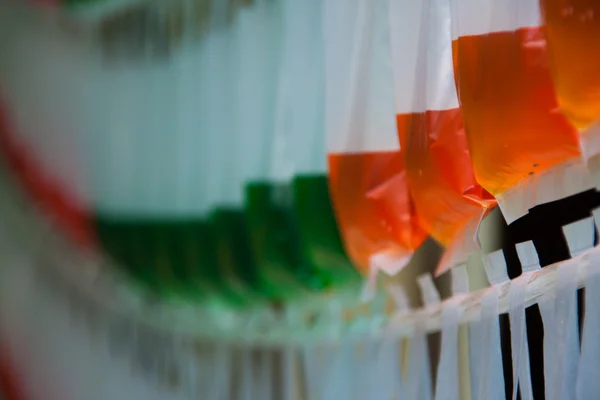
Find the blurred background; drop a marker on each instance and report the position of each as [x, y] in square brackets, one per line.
[249, 199]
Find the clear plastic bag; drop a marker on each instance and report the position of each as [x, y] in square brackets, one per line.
[430, 125]
[367, 178]
[571, 28]
[523, 148]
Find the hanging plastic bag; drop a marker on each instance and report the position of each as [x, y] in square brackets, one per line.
[524, 150]
[242, 120]
[299, 147]
[269, 207]
[571, 28]
[157, 193]
[367, 178]
[430, 127]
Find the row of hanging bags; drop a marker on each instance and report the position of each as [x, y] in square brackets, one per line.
[168, 159]
[522, 149]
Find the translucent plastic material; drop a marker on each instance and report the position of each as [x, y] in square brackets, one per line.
[514, 126]
[304, 232]
[572, 28]
[447, 385]
[439, 171]
[518, 329]
[367, 178]
[561, 336]
[418, 382]
[487, 379]
[588, 384]
[430, 126]
[269, 209]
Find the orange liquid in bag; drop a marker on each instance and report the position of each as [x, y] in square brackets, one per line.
[439, 170]
[573, 31]
[374, 209]
[514, 126]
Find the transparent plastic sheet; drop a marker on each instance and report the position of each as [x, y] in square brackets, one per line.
[487, 376]
[430, 126]
[447, 386]
[418, 378]
[566, 355]
[519, 345]
[588, 384]
[245, 383]
[567, 350]
[290, 373]
[362, 366]
[265, 374]
[521, 144]
[559, 315]
[392, 351]
[367, 179]
[418, 385]
[313, 360]
[388, 364]
[464, 245]
[220, 366]
[338, 380]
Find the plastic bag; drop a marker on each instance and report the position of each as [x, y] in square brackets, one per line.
[430, 126]
[524, 150]
[300, 149]
[367, 178]
[245, 123]
[572, 27]
[269, 208]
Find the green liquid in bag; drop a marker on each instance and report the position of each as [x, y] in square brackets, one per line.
[275, 241]
[319, 235]
[171, 258]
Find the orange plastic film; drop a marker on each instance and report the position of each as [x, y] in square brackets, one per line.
[430, 125]
[367, 178]
[515, 130]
